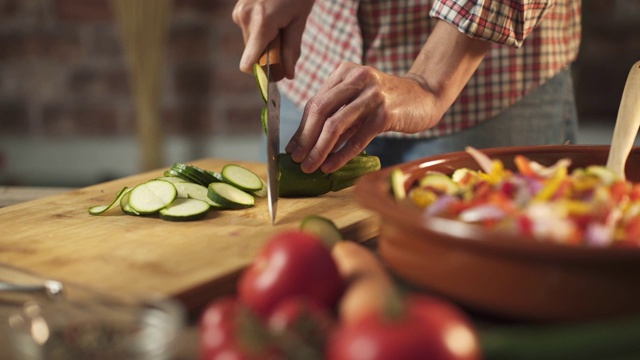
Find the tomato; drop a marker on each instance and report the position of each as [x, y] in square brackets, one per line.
[426, 328]
[227, 331]
[302, 326]
[292, 263]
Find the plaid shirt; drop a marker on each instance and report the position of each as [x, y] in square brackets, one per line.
[532, 41]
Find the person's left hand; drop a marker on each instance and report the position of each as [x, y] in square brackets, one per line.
[355, 104]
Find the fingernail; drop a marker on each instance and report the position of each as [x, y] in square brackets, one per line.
[297, 155]
[307, 166]
[327, 167]
[290, 146]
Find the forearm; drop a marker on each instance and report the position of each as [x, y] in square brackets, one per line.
[446, 63]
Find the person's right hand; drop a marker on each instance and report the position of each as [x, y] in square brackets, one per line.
[262, 20]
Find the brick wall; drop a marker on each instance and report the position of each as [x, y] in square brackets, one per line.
[610, 46]
[63, 72]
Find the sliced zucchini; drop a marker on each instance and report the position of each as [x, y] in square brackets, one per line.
[397, 179]
[100, 209]
[151, 196]
[263, 119]
[262, 80]
[262, 192]
[173, 179]
[241, 177]
[440, 182]
[322, 227]
[230, 196]
[173, 172]
[184, 210]
[187, 172]
[124, 204]
[216, 175]
[196, 191]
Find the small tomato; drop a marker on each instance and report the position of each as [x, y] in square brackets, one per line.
[228, 330]
[292, 263]
[424, 328]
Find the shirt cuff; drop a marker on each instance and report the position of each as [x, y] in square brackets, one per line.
[503, 22]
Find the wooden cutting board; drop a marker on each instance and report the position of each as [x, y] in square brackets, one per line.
[141, 257]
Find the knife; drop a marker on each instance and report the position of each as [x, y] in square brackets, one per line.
[270, 61]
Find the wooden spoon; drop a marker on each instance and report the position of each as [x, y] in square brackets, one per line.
[627, 123]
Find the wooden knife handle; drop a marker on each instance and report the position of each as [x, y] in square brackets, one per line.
[277, 71]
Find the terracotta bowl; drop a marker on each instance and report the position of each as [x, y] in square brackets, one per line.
[499, 274]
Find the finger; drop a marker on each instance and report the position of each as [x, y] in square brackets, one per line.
[241, 15]
[340, 127]
[359, 117]
[338, 76]
[354, 146]
[318, 117]
[260, 35]
[344, 137]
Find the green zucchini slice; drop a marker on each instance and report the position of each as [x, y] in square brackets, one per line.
[230, 196]
[184, 210]
[151, 196]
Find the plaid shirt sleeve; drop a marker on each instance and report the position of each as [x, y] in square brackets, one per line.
[504, 22]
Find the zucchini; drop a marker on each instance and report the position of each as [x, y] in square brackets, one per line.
[151, 196]
[397, 179]
[605, 339]
[262, 80]
[124, 204]
[322, 227]
[197, 192]
[293, 182]
[173, 179]
[440, 182]
[100, 209]
[193, 174]
[166, 195]
[184, 210]
[230, 196]
[241, 177]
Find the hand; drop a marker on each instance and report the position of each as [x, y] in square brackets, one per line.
[262, 20]
[355, 104]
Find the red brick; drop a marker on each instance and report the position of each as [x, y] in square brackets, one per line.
[84, 10]
[243, 117]
[189, 43]
[231, 81]
[98, 83]
[9, 9]
[14, 117]
[79, 120]
[192, 81]
[190, 118]
[57, 46]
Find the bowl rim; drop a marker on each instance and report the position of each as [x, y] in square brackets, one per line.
[460, 234]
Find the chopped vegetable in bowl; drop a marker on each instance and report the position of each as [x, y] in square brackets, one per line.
[588, 206]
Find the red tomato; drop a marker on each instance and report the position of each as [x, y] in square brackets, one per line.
[224, 333]
[292, 263]
[303, 325]
[427, 328]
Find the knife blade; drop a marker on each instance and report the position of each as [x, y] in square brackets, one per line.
[270, 61]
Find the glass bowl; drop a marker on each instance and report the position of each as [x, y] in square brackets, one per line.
[42, 319]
